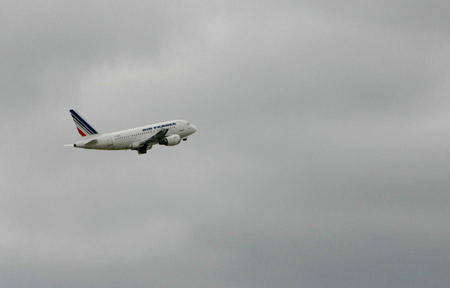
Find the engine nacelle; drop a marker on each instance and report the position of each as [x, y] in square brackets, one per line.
[171, 140]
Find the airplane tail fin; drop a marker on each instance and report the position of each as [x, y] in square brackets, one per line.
[82, 125]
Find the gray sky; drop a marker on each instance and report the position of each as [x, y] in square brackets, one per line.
[321, 157]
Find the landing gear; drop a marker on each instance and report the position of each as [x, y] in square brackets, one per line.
[184, 139]
[143, 149]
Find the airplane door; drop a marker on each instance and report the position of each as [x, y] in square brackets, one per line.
[110, 145]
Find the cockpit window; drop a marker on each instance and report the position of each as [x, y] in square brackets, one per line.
[188, 123]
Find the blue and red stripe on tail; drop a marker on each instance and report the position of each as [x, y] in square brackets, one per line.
[82, 125]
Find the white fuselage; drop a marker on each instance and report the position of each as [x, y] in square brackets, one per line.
[128, 139]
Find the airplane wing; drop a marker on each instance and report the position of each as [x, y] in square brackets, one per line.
[155, 138]
[146, 144]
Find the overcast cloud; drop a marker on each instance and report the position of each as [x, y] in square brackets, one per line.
[321, 157]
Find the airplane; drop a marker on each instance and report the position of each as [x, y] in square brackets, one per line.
[141, 139]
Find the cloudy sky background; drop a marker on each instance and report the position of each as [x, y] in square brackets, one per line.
[321, 157]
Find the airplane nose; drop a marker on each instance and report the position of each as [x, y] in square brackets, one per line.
[194, 128]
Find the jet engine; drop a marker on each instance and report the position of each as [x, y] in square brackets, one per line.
[171, 140]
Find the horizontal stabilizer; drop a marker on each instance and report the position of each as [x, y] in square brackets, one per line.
[92, 142]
